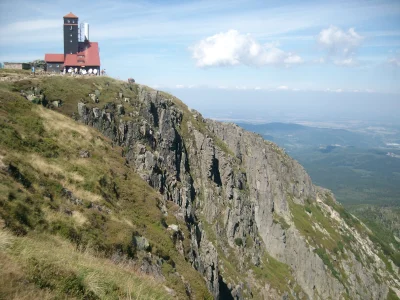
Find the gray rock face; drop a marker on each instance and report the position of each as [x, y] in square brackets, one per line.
[237, 194]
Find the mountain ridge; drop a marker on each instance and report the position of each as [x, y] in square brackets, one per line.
[248, 207]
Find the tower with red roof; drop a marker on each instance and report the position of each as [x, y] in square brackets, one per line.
[70, 34]
[82, 56]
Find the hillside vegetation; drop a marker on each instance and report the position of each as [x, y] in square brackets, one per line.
[68, 222]
[112, 190]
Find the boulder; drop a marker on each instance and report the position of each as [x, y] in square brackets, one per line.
[141, 243]
[56, 103]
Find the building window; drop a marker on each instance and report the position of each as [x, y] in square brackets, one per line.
[70, 28]
[70, 41]
[50, 66]
[73, 22]
[69, 21]
[58, 66]
[70, 35]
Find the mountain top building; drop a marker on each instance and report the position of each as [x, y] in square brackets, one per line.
[79, 52]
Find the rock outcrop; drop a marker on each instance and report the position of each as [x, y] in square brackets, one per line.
[247, 204]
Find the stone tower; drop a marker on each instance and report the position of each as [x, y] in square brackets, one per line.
[71, 30]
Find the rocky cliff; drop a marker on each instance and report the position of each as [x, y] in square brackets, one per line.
[252, 224]
[247, 205]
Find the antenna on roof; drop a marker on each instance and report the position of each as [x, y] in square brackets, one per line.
[80, 33]
[84, 32]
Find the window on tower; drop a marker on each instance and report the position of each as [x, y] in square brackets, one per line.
[69, 21]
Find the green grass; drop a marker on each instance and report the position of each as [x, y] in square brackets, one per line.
[276, 273]
[305, 216]
[43, 147]
[392, 295]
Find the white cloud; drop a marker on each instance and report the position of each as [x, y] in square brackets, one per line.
[320, 60]
[179, 86]
[282, 88]
[341, 46]
[347, 62]
[395, 61]
[339, 42]
[233, 48]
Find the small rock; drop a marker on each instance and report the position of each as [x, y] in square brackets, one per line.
[170, 291]
[30, 97]
[84, 154]
[173, 227]
[94, 98]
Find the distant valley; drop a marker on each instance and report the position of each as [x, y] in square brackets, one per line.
[361, 167]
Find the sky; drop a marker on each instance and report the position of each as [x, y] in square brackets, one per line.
[297, 47]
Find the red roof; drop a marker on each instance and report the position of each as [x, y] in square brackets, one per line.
[54, 57]
[71, 15]
[89, 57]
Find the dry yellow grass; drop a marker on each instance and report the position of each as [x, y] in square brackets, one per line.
[6, 239]
[52, 168]
[98, 273]
[82, 194]
[79, 218]
[59, 123]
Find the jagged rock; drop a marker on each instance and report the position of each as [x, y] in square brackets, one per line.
[99, 207]
[120, 109]
[151, 266]
[230, 184]
[70, 196]
[81, 109]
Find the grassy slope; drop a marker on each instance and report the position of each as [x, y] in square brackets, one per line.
[43, 146]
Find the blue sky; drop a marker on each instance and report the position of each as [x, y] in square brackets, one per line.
[330, 46]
